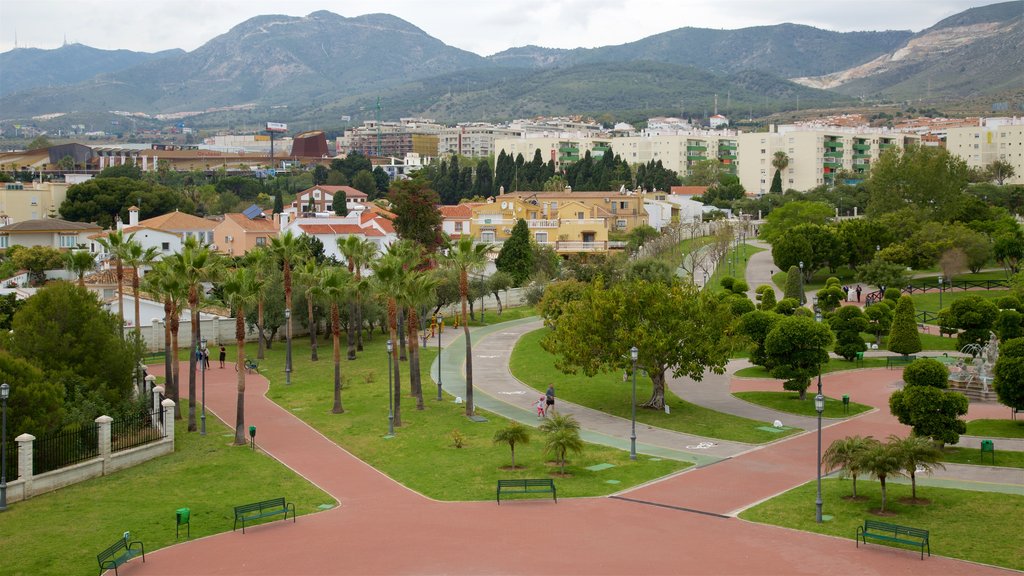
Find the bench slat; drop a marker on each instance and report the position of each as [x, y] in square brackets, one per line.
[888, 532]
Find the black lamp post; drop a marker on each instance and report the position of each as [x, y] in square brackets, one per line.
[633, 353]
[940, 293]
[5, 391]
[440, 323]
[803, 297]
[391, 414]
[202, 416]
[288, 349]
[819, 407]
[423, 325]
[482, 295]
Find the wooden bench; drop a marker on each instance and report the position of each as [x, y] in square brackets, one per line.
[893, 533]
[263, 509]
[527, 486]
[118, 553]
[891, 361]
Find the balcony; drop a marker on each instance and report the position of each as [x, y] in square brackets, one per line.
[833, 165]
[695, 158]
[885, 145]
[532, 224]
[726, 156]
[484, 221]
[696, 148]
[833, 154]
[859, 156]
[862, 147]
[726, 146]
[833, 144]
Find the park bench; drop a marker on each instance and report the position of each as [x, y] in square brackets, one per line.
[120, 552]
[251, 366]
[263, 509]
[893, 533]
[527, 486]
[891, 361]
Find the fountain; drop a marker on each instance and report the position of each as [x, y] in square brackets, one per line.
[974, 377]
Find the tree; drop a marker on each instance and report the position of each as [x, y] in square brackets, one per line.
[881, 460]
[858, 239]
[766, 297]
[40, 141]
[341, 203]
[926, 372]
[831, 296]
[37, 260]
[101, 199]
[794, 285]
[383, 182]
[116, 244]
[358, 252]
[879, 317]
[848, 323]
[675, 327]
[928, 178]
[417, 293]
[1009, 250]
[514, 433]
[917, 454]
[310, 277]
[926, 406]
[365, 182]
[241, 291]
[974, 317]
[814, 245]
[641, 235]
[792, 214]
[847, 453]
[780, 161]
[80, 262]
[278, 202]
[135, 257]
[516, 256]
[337, 288]
[903, 336]
[756, 325]
[288, 251]
[166, 285]
[563, 436]
[465, 257]
[416, 215]
[880, 272]
[261, 261]
[1009, 373]
[36, 403]
[999, 171]
[797, 346]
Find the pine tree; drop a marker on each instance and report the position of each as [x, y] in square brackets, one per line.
[903, 336]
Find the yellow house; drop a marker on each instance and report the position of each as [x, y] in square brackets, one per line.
[621, 211]
[567, 227]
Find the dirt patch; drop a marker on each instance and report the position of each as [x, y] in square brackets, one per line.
[561, 474]
[854, 498]
[915, 501]
[877, 512]
[516, 467]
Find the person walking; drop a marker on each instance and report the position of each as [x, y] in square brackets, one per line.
[858, 292]
[223, 355]
[549, 399]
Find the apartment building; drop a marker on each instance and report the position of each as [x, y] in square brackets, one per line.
[816, 155]
[475, 139]
[416, 135]
[568, 227]
[21, 201]
[992, 139]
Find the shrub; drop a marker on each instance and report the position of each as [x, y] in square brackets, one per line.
[766, 296]
[926, 372]
[457, 438]
[903, 336]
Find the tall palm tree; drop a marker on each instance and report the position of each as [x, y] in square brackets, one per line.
[779, 161]
[240, 290]
[135, 257]
[260, 261]
[417, 292]
[337, 286]
[514, 433]
[388, 280]
[358, 253]
[465, 257]
[79, 262]
[114, 244]
[288, 250]
[195, 264]
[310, 277]
[917, 452]
[164, 283]
[882, 461]
[845, 453]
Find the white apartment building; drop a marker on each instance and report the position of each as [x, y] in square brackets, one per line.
[993, 139]
[475, 139]
[816, 155]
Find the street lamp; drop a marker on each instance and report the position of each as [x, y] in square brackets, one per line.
[633, 353]
[202, 417]
[940, 293]
[423, 325]
[5, 391]
[391, 414]
[819, 407]
[440, 322]
[288, 349]
[803, 297]
[482, 295]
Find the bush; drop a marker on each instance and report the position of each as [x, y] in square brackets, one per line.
[726, 282]
[926, 372]
[1009, 303]
[794, 285]
[903, 336]
[893, 294]
[740, 287]
[787, 306]
[931, 412]
[1009, 324]
[848, 323]
[766, 297]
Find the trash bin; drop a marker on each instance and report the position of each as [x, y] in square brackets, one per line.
[846, 403]
[183, 516]
[990, 447]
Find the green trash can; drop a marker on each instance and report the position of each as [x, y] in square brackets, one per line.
[184, 517]
[990, 447]
[846, 403]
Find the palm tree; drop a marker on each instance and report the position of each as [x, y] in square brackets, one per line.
[114, 244]
[288, 250]
[261, 262]
[164, 283]
[845, 453]
[563, 436]
[388, 280]
[917, 451]
[779, 161]
[514, 433]
[240, 290]
[135, 256]
[418, 291]
[310, 276]
[337, 286]
[195, 264]
[79, 262]
[465, 257]
[881, 461]
[358, 253]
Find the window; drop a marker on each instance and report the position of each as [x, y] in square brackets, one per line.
[620, 223]
[5, 241]
[329, 207]
[68, 240]
[623, 205]
[487, 236]
[579, 215]
[458, 226]
[261, 240]
[542, 237]
[165, 246]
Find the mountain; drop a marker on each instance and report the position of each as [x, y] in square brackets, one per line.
[978, 51]
[26, 68]
[786, 49]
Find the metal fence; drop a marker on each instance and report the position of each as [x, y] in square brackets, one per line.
[12, 460]
[135, 431]
[64, 448]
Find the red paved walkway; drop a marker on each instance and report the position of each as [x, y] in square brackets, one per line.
[382, 528]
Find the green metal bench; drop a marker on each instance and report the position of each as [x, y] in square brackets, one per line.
[894, 533]
[251, 366]
[257, 510]
[891, 361]
[527, 486]
[120, 552]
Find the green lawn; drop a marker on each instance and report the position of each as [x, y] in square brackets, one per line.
[817, 282]
[996, 428]
[61, 532]
[977, 526]
[491, 316]
[1004, 458]
[737, 269]
[609, 393]
[930, 300]
[790, 402]
[422, 455]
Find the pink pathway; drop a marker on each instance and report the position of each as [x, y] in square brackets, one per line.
[383, 528]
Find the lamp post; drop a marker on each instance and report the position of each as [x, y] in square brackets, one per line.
[819, 407]
[391, 414]
[423, 325]
[633, 353]
[940, 293]
[202, 416]
[482, 294]
[440, 322]
[5, 390]
[803, 297]
[288, 349]
[817, 310]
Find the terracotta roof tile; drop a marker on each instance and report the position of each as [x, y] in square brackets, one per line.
[459, 212]
[48, 224]
[178, 221]
[689, 190]
[349, 191]
[256, 225]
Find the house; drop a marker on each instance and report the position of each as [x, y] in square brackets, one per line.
[455, 219]
[50, 232]
[620, 211]
[565, 226]
[321, 198]
[185, 225]
[366, 224]
[166, 242]
[239, 233]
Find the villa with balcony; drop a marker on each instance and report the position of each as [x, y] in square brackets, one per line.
[568, 227]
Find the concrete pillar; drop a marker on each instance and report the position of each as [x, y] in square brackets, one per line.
[25, 461]
[158, 391]
[168, 406]
[854, 211]
[103, 429]
[150, 384]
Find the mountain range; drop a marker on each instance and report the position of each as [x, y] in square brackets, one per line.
[324, 66]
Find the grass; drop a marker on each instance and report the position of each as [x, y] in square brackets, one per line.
[85, 518]
[722, 269]
[930, 300]
[1003, 458]
[833, 365]
[491, 316]
[790, 403]
[610, 394]
[989, 533]
[996, 428]
[422, 455]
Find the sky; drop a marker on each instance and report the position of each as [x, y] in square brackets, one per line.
[481, 26]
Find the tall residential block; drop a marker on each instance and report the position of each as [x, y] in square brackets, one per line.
[993, 139]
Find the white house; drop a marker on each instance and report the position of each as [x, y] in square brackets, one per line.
[367, 224]
[455, 220]
[321, 198]
[49, 232]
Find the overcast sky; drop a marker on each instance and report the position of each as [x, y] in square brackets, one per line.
[480, 26]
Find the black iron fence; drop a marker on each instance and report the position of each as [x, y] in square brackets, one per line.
[135, 430]
[921, 288]
[64, 448]
[12, 460]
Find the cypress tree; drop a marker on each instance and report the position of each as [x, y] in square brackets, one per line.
[278, 202]
[793, 285]
[516, 256]
[903, 336]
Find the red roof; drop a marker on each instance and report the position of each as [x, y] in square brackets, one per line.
[459, 212]
[349, 191]
[689, 190]
[331, 229]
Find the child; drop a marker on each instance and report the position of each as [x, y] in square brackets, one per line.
[540, 407]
